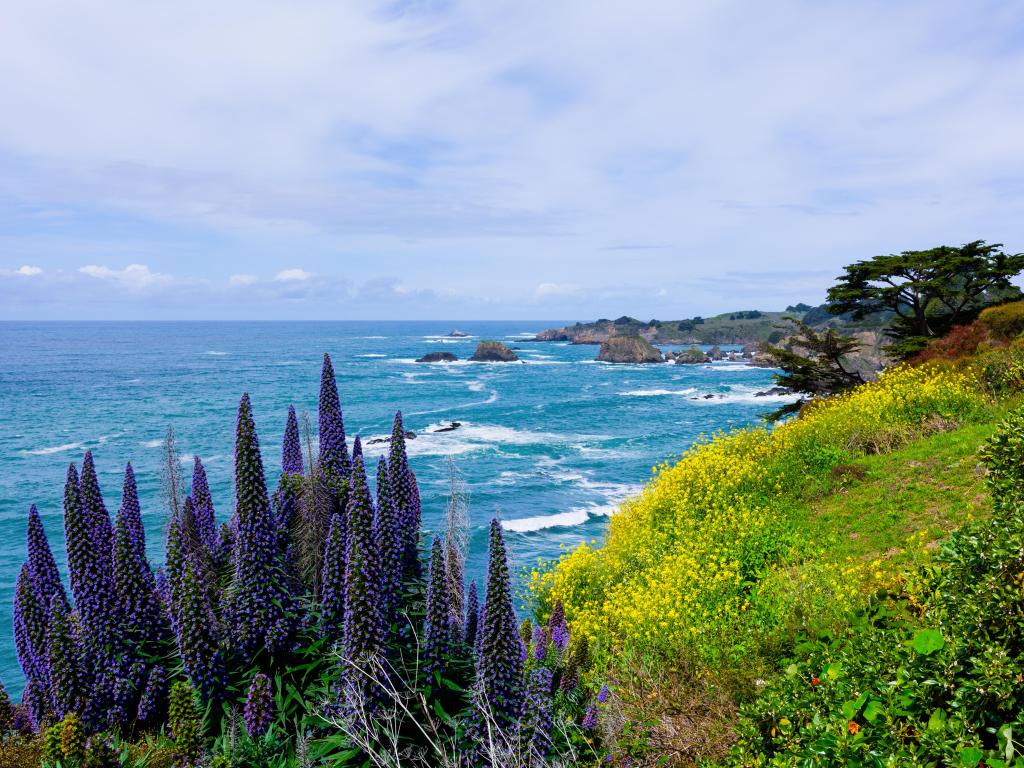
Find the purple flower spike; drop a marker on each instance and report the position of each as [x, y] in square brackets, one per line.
[500, 666]
[391, 544]
[535, 725]
[472, 614]
[41, 565]
[602, 695]
[540, 643]
[291, 447]
[260, 605]
[439, 632]
[357, 449]
[202, 503]
[153, 701]
[67, 684]
[259, 706]
[134, 583]
[333, 450]
[30, 620]
[363, 622]
[590, 718]
[332, 597]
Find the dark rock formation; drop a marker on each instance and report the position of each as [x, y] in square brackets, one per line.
[409, 435]
[457, 334]
[691, 356]
[773, 392]
[451, 426]
[628, 349]
[438, 357]
[493, 352]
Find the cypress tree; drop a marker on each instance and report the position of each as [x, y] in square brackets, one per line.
[391, 545]
[500, 666]
[260, 602]
[439, 634]
[202, 505]
[291, 446]
[363, 641]
[333, 453]
[67, 680]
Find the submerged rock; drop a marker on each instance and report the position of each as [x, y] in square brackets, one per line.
[629, 349]
[493, 352]
[437, 357]
[451, 426]
[409, 435]
[457, 334]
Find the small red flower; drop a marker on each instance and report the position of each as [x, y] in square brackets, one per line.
[814, 680]
[853, 728]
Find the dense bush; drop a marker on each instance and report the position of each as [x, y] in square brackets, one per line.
[1004, 322]
[929, 674]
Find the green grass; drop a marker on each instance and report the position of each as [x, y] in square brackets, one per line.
[873, 507]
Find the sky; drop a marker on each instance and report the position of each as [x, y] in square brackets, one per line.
[491, 159]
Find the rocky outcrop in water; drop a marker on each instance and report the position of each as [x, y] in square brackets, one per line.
[691, 356]
[437, 357]
[628, 349]
[493, 352]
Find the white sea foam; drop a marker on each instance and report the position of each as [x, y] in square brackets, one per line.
[476, 386]
[658, 392]
[215, 353]
[372, 354]
[540, 522]
[372, 337]
[467, 438]
[54, 449]
[743, 395]
[152, 443]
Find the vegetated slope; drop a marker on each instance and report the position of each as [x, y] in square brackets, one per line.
[754, 539]
[742, 327]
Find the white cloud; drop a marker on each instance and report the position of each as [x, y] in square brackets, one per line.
[553, 290]
[28, 271]
[243, 280]
[133, 277]
[292, 275]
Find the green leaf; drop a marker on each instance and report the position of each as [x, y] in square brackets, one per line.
[928, 641]
[835, 669]
[937, 721]
[873, 710]
[970, 757]
[1005, 734]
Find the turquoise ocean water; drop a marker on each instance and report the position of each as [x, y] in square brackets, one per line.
[551, 445]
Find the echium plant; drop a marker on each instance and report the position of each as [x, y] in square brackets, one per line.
[41, 565]
[202, 503]
[332, 593]
[400, 493]
[333, 456]
[259, 706]
[88, 566]
[67, 678]
[363, 639]
[500, 665]
[472, 615]
[260, 604]
[291, 446]
[535, 724]
[30, 642]
[196, 628]
[391, 544]
[439, 634]
[134, 584]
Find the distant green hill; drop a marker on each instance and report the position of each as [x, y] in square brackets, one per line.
[740, 327]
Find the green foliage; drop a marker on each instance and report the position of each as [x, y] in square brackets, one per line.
[186, 725]
[930, 291]
[1004, 322]
[928, 674]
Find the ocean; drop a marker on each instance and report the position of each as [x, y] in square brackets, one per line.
[551, 445]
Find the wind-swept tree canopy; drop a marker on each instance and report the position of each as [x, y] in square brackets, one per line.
[930, 291]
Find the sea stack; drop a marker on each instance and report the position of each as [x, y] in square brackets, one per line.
[628, 349]
[493, 352]
[437, 357]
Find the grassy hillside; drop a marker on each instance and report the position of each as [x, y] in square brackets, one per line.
[751, 541]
